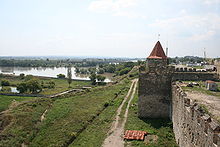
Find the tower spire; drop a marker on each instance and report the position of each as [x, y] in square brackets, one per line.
[157, 52]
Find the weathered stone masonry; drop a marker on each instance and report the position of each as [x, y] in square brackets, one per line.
[191, 125]
[155, 92]
[155, 86]
[158, 98]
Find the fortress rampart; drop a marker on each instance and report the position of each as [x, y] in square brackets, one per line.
[191, 125]
[195, 76]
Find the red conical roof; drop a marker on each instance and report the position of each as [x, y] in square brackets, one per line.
[157, 52]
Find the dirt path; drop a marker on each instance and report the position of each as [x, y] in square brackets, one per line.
[115, 138]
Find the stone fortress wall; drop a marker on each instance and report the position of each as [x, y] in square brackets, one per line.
[195, 76]
[158, 98]
[191, 125]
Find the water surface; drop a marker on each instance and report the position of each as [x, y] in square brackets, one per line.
[46, 72]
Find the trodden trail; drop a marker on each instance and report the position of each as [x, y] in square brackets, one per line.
[115, 135]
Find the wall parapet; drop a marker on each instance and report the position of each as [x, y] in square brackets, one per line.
[192, 126]
[195, 76]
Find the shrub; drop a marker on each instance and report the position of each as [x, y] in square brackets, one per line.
[93, 78]
[5, 83]
[22, 87]
[124, 71]
[100, 78]
[28, 77]
[6, 89]
[32, 85]
[22, 76]
[61, 76]
[51, 84]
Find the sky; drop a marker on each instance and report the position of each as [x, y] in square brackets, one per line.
[110, 28]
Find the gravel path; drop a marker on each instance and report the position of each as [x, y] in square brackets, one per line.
[115, 137]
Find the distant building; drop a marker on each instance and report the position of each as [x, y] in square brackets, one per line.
[211, 85]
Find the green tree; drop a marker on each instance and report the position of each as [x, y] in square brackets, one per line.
[69, 75]
[51, 84]
[5, 83]
[22, 75]
[22, 87]
[100, 78]
[93, 78]
[34, 86]
[77, 70]
[124, 71]
[101, 71]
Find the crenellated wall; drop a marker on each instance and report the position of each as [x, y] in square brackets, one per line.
[195, 76]
[191, 125]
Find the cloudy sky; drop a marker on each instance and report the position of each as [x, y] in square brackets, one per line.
[113, 28]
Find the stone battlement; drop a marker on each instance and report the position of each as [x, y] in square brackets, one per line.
[191, 124]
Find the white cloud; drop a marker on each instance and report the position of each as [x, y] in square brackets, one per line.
[197, 26]
[209, 2]
[116, 7]
[205, 36]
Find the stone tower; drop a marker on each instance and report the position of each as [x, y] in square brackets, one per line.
[155, 86]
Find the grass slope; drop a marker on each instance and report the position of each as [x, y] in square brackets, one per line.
[70, 116]
[95, 133]
[7, 100]
[160, 127]
[25, 120]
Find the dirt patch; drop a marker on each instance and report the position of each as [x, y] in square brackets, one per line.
[150, 139]
[212, 103]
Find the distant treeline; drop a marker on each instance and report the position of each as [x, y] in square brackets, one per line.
[117, 69]
[186, 59]
[57, 63]
[31, 63]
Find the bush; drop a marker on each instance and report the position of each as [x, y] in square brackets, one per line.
[22, 76]
[51, 84]
[5, 83]
[100, 78]
[28, 77]
[22, 87]
[6, 89]
[124, 71]
[32, 85]
[61, 76]
[93, 78]
[101, 71]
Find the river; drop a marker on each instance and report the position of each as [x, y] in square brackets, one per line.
[47, 72]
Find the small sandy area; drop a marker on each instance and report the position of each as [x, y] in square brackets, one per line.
[211, 102]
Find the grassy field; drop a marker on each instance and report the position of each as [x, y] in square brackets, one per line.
[66, 119]
[95, 133]
[160, 127]
[7, 100]
[25, 121]
[60, 84]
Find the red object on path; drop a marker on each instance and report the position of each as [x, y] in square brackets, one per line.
[134, 135]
